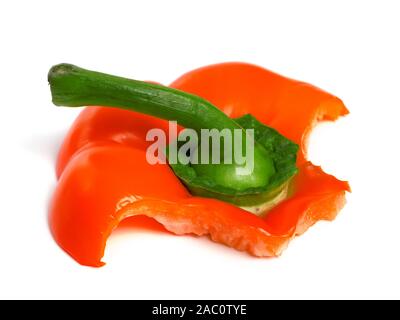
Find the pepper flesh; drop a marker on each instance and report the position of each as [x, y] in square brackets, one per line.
[104, 177]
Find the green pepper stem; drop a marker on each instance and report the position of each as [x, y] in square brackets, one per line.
[73, 87]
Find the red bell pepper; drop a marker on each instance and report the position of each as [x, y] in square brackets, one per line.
[104, 176]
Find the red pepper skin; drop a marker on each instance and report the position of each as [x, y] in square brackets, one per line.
[289, 106]
[104, 177]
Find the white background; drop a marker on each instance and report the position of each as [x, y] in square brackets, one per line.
[350, 48]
